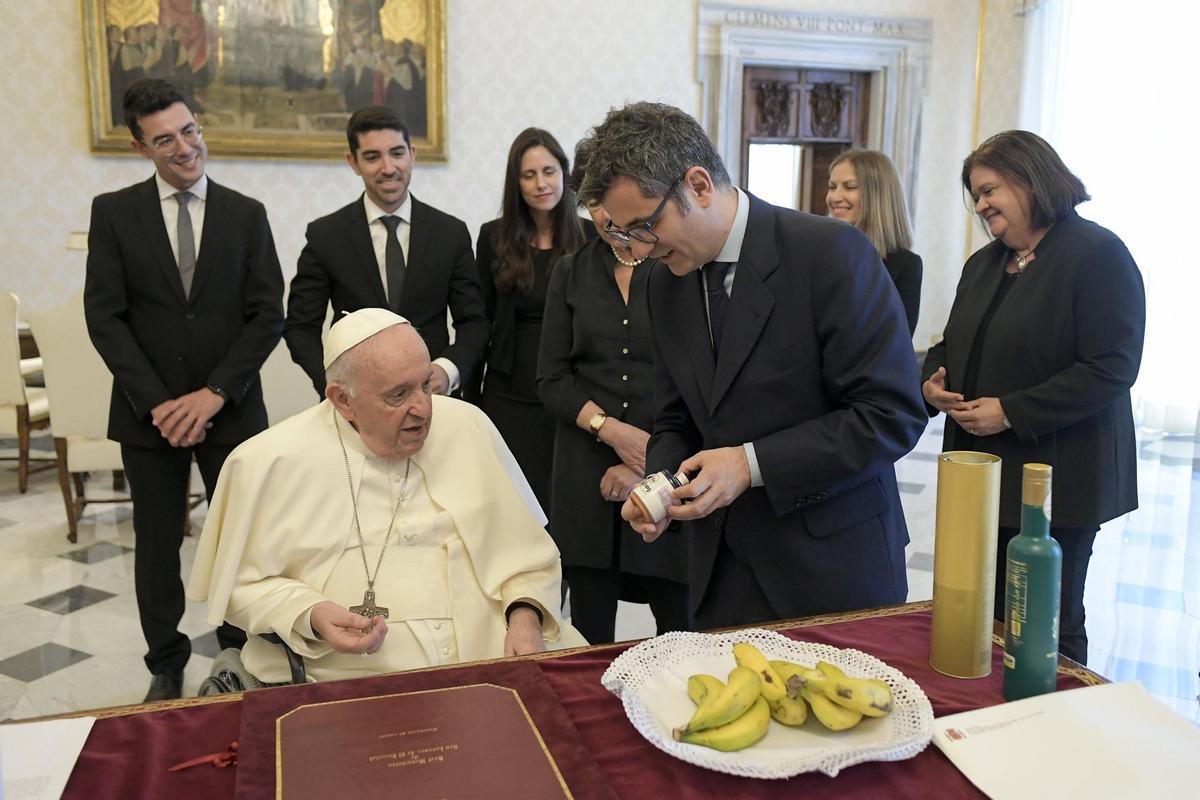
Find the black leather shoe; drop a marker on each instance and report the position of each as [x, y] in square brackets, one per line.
[165, 686]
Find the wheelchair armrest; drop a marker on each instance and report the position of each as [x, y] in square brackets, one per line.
[295, 662]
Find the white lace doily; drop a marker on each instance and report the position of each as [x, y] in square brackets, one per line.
[651, 680]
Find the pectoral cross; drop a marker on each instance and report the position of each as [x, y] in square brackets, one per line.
[368, 608]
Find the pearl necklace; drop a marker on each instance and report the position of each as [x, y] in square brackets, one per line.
[622, 261]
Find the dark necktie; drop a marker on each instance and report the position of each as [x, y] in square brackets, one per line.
[393, 262]
[187, 242]
[718, 301]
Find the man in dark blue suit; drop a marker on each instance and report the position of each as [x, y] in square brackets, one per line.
[786, 385]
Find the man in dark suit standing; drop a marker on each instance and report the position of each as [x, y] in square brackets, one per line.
[388, 250]
[183, 299]
[785, 383]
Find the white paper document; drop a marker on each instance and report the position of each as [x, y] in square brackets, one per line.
[36, 758]
[1113, 740]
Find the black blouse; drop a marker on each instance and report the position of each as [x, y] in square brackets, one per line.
[594, 346]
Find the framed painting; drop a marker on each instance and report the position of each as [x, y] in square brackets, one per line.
[272, 78]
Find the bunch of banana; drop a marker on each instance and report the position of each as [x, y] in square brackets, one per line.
[735, 715]
[730, 716]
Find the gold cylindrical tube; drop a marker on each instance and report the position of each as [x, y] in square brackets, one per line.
[964, 563]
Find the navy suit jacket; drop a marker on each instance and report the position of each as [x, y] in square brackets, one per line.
[338, 266]
[816, 369]
[159, 343]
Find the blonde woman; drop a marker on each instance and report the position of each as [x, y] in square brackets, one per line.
[864, 190]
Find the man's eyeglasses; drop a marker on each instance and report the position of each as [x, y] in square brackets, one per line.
[643, 231]
[168, 143]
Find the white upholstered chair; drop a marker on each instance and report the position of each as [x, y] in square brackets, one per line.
[79, 385]
[23, 409]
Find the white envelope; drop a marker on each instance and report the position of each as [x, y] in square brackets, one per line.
[1113, 740]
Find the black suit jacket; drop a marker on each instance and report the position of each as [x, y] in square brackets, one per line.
[338, 266]
[1061, 354]
[905, 268]
[816, 370]
[159, 344]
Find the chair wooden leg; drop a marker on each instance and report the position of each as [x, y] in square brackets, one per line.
[23, 448]
[64, 483]
[118, 480]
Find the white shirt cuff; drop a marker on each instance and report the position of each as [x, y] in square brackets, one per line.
[451, 371]
[756, 478]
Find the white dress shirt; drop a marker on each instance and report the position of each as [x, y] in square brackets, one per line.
[170, 211]
[731, 252]
[379, 234]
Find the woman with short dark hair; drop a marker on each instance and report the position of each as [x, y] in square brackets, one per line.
[1042, 345]
[514, 254]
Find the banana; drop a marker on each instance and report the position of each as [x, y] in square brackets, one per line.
[830, 670]
[864, 695]
[829, 713]
[789, 711]
[788, 670]
[736, 735]
[749, 656]
[734, 700]
[701, 686]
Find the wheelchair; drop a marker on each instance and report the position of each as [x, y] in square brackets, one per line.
[229, 675]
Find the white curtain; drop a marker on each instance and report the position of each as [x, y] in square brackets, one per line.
[1106, 83]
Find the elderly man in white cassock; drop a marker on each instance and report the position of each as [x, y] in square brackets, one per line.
[385, 529]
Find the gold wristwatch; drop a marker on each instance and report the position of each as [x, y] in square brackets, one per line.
[597, 422]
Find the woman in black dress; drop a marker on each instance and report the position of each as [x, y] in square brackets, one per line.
[596, 376]
[865, 191]
[1043, 343]
[514, 254]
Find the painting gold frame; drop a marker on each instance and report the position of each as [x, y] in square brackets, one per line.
[272, 80]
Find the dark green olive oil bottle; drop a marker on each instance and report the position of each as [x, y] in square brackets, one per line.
[1032, 586]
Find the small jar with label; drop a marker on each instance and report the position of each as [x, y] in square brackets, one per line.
[653, 495]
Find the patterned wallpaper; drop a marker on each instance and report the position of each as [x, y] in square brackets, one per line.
[559, 64]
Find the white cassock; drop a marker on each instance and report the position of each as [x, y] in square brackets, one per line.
[280, 538]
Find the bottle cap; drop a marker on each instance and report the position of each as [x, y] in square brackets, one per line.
[1035, 484]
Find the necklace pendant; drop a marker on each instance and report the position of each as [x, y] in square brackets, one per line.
[368, 608]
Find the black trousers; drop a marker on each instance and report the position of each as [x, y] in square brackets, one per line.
[1076, 546]
[595, 592]
[734, 596]
[158, 484]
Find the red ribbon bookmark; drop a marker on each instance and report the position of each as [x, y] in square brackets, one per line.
[218, 760]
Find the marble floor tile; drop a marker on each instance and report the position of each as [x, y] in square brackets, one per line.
[70, 600]
[921, 561]
[96, 552]
[23, 627]
[40, 661]
[11, 691]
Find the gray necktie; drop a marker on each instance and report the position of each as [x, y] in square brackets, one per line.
[187, 242]
[393, 262]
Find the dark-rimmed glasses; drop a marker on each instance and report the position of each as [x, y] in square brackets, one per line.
[168, 143]
[643, 231]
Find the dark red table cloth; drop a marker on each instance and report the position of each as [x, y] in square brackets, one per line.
[128, 751]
